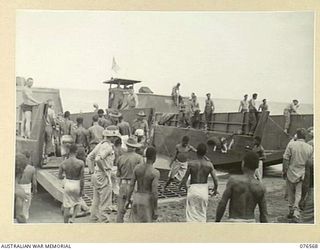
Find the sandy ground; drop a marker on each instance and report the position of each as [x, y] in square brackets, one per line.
[45, 209]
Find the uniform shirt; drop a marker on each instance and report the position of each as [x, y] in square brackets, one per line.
[244, 105]
[26, 92]
[297, 153]
[81, 136]
[209, 106]
[252, 105]
[291, 108]
[95, 133]
[51, 117]
[126, 164]
[124, 128]
[103, 151]
[140, 124]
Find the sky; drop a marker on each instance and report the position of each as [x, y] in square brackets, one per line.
[227, 54]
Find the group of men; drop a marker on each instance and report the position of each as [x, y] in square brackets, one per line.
[129, 177]
[189, 110]
[250, 106]
[100, 147]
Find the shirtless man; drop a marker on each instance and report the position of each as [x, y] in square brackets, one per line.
[81, 135]
[95, 133]
[244, 104]
[197, 197]
[103, 122]
[244, 193]
[20, 196]
[26, 106]
[28, 183]
[179, 163]
[73, 169]
[145, 199]
[124, 127]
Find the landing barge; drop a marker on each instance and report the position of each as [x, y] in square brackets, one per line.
[163, 118]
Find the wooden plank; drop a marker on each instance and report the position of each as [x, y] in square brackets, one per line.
[50, 183]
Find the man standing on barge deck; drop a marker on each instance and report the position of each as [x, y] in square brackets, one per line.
[252, 114]
[244, 104]
[208, 110]
[175, 94]
[290, 109]
[26, 106]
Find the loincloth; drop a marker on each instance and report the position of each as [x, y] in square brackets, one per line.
[142, 207]
[71, 195]
[178, 169]
[239, 220]
[197, 202]
[27, 202]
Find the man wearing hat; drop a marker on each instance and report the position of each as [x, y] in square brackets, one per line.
[289, 109]
[114, 117]
[126, 164]
[244, 104]
[141, 123]
[100, 162]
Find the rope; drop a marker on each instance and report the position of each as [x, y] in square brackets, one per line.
[290, 137]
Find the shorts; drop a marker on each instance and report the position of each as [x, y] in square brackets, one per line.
[26, 107]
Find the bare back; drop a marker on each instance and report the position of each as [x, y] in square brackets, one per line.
[73, 168]
[28, 175]
[246, 193]
[200, 170]
[147, 178]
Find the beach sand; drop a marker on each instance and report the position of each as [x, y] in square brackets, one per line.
[45, 209]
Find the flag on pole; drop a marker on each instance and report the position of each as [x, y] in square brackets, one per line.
[115, 67]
